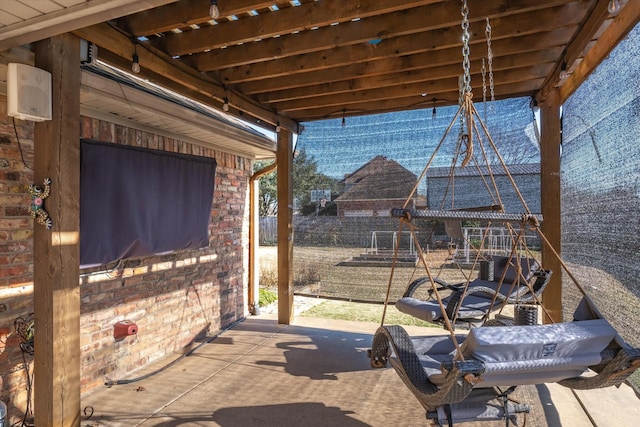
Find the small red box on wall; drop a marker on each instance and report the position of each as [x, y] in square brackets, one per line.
[123, 329]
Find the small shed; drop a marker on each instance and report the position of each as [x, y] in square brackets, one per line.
[468, 187]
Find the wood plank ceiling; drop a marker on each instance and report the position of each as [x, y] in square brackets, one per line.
[285, 62]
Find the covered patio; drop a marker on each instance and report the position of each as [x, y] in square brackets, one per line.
[312, 372]
[274, 65]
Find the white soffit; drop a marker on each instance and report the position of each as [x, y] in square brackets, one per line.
[120, 103]
[27, 22]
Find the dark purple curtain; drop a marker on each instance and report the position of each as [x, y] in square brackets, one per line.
[137, 202]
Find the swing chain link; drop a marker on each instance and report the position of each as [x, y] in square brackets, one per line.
[490, 58]
[465, 47]
[484, 88]
[484, 81]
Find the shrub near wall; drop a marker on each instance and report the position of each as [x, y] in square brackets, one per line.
[173, 298]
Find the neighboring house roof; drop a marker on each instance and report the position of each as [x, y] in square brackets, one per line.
[380, 178]
[518, 169]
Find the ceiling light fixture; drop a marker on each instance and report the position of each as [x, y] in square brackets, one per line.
[225, 106]
[613, 7]
[135, 64]
[564, 74]
[214, 12]
[433, 112]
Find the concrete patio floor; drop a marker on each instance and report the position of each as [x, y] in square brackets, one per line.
[314, 372]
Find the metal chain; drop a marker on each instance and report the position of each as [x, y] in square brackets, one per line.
[490, 59]
[461, 101]
[484, 89]
[465, 47]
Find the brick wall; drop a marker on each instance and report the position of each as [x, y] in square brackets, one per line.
[373, 207]
[173, 298]
[16, 256]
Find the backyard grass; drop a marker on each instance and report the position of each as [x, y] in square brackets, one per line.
[362, 312]
[317, 271]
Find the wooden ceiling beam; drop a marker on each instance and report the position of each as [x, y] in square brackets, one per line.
[417, 24]
[504, 47]
[433, 88]
[426, 75]
[587, 31]
[504, 28]
[526, 88]
[285, 21]
[184, 13]
[575, 47]
[306, 61]
[617, 30]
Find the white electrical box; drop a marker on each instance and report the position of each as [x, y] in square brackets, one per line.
[28, 92]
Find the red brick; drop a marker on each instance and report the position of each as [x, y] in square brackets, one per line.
[13, 271]
[16, 211]
[15, 223]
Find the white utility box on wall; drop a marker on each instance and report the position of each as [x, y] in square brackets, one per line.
[28, 92]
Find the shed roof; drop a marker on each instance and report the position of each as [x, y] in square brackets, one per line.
[497, 170]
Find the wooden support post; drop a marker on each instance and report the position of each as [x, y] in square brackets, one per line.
[254, 245]
[254, 237]
[550, 201]
[56, 252]
[284, 158]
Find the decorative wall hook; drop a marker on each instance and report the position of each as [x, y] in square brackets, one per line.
[37, 203]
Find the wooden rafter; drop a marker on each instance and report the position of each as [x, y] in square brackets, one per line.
[289, 21]
[418, 30]
[285, 61]
[317, 59]
[626, 20]
[185, 13]
[525, 88]
[429, 77]
[507, 48]
[408, 90]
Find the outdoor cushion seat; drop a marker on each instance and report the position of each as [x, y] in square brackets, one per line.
[433, 351]
[506, 279]
[502, 265]
[583, 354]
[519, 355]
[471, 304]
[474, 307]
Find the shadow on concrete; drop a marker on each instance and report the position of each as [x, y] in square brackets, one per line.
[548, 407]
